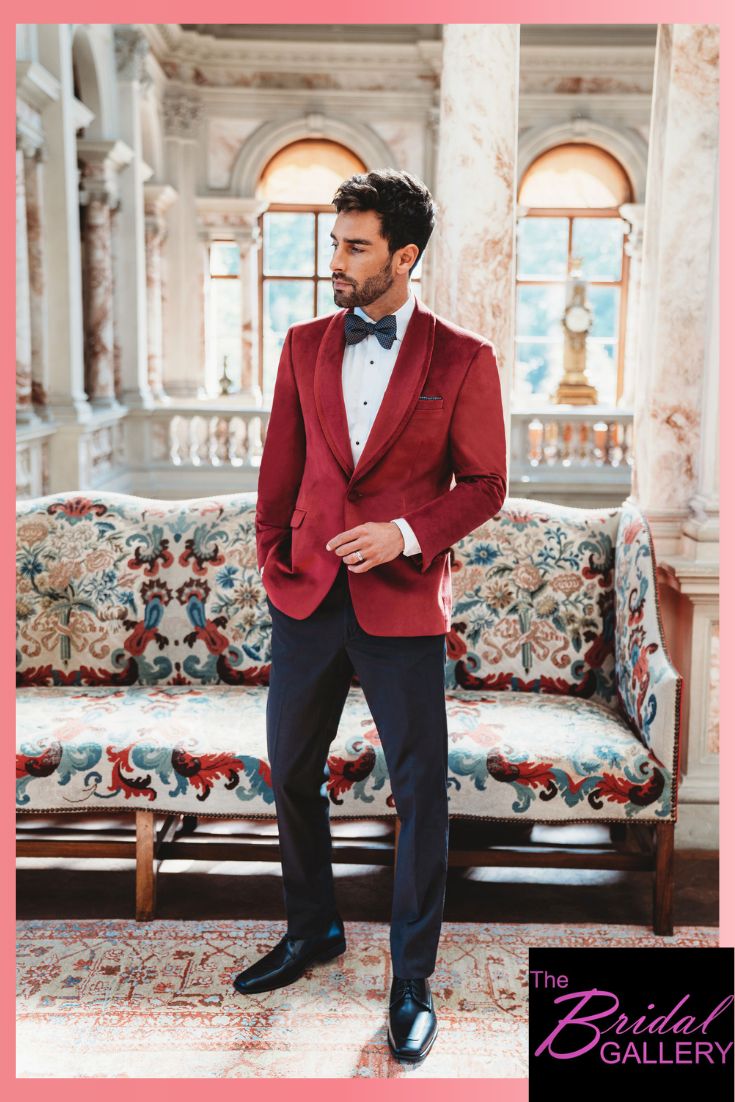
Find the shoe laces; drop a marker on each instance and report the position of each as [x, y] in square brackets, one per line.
[412, 987]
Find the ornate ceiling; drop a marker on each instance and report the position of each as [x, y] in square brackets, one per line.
[561, 34]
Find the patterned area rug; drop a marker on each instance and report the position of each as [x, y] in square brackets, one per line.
[123, 999]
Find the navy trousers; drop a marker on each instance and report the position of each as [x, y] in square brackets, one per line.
[402, 678]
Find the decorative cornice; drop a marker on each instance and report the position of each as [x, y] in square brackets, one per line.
[620, 63]
[209, 62]
[617, 108]
[695, 578]
[82, 115]
[232, 216]
[158, 198]
[101, 163]
[35, 85]
[398, 103]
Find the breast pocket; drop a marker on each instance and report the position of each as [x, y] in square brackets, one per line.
[429, 405]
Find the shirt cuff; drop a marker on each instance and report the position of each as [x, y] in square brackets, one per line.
[412, 546]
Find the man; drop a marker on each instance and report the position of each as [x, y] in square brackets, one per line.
[375, 408]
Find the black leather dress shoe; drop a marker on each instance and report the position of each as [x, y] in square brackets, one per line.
[290, 958]
[412, 1025]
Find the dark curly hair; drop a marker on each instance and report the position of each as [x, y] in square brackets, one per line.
[406, 209]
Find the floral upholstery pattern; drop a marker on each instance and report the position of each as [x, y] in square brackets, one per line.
[116, 590]
[534, 602]
[648, 686]
[143, 657]
[201, 750]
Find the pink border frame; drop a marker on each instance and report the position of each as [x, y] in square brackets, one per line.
[327, 11]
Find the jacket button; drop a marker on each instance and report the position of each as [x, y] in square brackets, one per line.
[353, 495]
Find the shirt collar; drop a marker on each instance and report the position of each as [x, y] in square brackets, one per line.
[403, 314]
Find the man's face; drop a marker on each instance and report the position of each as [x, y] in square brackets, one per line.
[362, 268]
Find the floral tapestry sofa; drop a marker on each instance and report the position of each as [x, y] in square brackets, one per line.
[143, 651]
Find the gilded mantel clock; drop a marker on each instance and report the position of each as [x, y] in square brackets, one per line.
[574, 388]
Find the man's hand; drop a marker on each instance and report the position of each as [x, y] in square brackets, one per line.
[376, 542]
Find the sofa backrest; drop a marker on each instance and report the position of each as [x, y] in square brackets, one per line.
[114, 589]
[534, 602]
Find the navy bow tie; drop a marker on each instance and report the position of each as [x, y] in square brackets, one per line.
[356, 329]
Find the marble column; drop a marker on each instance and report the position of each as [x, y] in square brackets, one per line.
[23, 403]
[432, 167]
[98, 333]
[36, 89]
[676, 274]
[701, 531]
[473, 257]
[133, 79]
[158, 198]
[118, 282]
[210, 381]
[183, 369]
[63, 116]
[37, 278]
[101, 162]
[250, 243]
[634, 214]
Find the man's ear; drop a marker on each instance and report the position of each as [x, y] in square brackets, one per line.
[412, 259]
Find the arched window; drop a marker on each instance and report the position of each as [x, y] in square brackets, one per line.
[295, 281]
[299, 182]
[570, 197]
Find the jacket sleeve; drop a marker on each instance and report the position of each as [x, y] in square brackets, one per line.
[478, 457]
[283, 459]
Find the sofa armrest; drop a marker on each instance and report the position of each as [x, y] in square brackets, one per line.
[648, 685]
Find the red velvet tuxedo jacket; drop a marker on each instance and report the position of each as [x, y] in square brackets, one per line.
[309, 489]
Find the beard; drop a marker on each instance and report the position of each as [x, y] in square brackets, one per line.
[365, 293]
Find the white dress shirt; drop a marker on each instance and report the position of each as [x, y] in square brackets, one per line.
[366, 371]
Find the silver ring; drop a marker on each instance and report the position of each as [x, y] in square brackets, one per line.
[359, 553]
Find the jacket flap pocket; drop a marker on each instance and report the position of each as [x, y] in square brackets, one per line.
[297, 516]
[429, 405]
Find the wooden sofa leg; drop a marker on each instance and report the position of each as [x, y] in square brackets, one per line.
[145, 872]
[396, 835]
[663, 882]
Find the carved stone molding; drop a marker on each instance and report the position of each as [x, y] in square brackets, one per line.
[157, 199]
[182, 114]
[131, 52]
[232, 218]
[101, 163]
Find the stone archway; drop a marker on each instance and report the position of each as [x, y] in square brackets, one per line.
[268, 139]
[625, 145]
